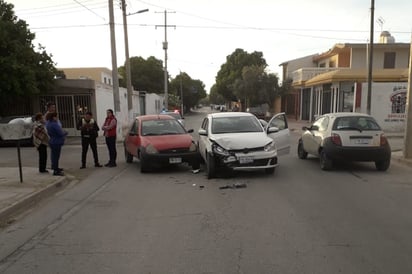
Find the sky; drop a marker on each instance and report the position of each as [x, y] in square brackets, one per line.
[202, 33]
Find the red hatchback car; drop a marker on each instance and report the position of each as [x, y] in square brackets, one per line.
[158, 140]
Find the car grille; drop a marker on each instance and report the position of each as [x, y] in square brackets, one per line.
[174, 150]
[246, 150]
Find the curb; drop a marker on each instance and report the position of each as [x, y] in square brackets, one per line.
[31, 199]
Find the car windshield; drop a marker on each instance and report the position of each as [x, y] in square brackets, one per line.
[235, 125]
[162, 127]
[356, 123]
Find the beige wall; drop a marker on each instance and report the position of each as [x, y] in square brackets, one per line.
[359, 57]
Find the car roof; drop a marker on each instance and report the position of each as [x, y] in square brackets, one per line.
[231, 114]
[346, 114]
[150, 117]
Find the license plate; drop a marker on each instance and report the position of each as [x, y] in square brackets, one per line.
[175, 160]
[361, 141]
[245, 160]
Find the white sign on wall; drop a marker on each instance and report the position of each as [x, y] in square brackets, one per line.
[388, 104]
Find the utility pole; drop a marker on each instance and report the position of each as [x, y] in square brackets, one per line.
[126, 50]
[407, 150]
[126, 47]
[165, 46]
[368, 102]
[115, 75]
[181, 94]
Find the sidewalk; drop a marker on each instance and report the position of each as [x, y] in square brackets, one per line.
[16, 197]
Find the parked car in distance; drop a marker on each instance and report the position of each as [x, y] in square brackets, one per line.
[259, 112]
[158, 140]
[27, 136]
[176, 115]
[345, 136]
[238, 141]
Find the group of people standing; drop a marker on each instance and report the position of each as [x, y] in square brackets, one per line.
[48, 132]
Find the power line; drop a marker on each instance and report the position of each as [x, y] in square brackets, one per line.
[89, 10]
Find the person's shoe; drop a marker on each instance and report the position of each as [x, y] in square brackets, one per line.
[108, 164]
[112, 165]
[97, 165]
[60, 169]
[58, 173]
[83, 167]
[44, 171]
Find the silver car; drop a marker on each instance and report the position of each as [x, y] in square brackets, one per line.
[238, 141]
[345, 136]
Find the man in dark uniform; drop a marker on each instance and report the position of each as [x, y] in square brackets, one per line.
[89, 131]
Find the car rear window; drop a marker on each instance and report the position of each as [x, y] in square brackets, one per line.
[355, 123]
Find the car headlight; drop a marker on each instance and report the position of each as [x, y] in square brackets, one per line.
[150, 149]
[192, 147]
[220, 150]
[269, 147]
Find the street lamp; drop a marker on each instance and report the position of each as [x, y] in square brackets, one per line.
[126, 45]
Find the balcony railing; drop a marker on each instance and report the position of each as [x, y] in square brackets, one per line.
[304, 74]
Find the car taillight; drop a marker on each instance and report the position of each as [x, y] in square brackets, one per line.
[384, 141]
[336, 139]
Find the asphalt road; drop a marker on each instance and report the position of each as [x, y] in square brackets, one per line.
[299, 220]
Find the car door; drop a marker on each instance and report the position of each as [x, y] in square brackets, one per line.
[313, 136]
[203, 138]
[133, 138]
[282, 137]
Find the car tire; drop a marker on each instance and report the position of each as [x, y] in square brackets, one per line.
[325, 161]
[210, 167]
[383, 165]
[302, 154]
[128, 157]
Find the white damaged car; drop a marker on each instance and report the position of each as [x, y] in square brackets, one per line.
[238, 141]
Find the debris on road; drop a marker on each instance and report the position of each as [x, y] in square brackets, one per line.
[233, 186]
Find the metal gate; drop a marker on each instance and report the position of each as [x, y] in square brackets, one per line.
[70, 109]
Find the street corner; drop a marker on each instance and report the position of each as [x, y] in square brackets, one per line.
[18, 193]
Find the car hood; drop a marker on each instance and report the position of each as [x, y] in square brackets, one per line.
[165, 142]
[231, 141]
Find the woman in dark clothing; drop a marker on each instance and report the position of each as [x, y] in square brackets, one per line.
[57, 136]
[109, 127]
[41, 141]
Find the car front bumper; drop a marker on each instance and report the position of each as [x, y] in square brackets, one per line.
[159, 159]
[249, 161]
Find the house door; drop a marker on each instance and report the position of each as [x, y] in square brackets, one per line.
[306, 104]
[326, 102]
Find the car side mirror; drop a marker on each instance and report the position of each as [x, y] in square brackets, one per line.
[202, 132]
[272, 129]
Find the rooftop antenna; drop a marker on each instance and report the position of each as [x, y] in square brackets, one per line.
[380, 21]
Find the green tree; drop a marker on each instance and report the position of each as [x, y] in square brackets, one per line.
[232, 70]
[147, 75]
[215, 97]
[256, 87]
[23, 70]
[193, 90]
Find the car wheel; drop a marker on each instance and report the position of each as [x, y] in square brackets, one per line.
[382, 165]
[270, 170]
[128, 157]
[210, 167]
[325, 162]
[302, 154]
